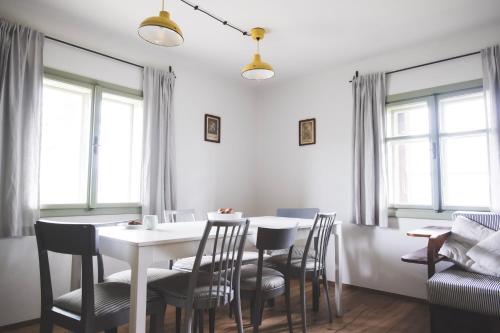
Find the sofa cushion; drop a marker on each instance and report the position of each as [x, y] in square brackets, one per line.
[465, 234]
[486, 253]
[464, 290]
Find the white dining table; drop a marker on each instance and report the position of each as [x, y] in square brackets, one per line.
[142, 248]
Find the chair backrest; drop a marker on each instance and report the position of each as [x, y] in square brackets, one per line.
[272, 239]
[180, 215]
[319, 237]
[487, 219]
[224, 241]
[300, 213]
[67, 238]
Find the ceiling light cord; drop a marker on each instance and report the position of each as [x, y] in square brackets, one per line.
[224, 22]
[162, 5]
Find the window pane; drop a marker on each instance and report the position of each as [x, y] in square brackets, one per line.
[462, 113]
[65, 143]
[408, 119]
[120, 150]
[465, 173]
[409, 166]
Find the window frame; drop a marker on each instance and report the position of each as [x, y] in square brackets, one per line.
[432, 96]
[91, 207]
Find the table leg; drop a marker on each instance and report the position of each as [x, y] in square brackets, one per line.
[338, 269]
[76, 272]
[139, 264]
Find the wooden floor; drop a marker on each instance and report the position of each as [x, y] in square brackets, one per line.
[364, 312]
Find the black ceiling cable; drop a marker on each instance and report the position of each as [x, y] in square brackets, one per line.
[224, 22]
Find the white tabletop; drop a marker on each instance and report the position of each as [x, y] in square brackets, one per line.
[188, 231]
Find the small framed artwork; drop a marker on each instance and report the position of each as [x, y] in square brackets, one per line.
[212, 128]
[307, 132]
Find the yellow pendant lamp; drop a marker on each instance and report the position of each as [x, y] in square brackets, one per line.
[257, 69]
[161, 30]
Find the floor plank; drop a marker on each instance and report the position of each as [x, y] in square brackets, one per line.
[365, 311]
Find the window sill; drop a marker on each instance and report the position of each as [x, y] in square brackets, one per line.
[89, 212]
[426, 214]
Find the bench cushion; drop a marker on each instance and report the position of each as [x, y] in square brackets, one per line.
[464, 290]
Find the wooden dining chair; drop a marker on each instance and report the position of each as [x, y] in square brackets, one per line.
[180, 215]
[312, 263]
[259, 283]
[201, 290]
[93, 307]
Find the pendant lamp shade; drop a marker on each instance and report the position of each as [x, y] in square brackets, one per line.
[257, 69]
[161, 30]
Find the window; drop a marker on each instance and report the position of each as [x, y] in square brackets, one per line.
[437, 151]
[91, 149]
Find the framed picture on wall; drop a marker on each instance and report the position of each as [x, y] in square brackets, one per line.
[307, 132]
[212, 128]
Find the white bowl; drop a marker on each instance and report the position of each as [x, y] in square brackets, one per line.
[223, 217]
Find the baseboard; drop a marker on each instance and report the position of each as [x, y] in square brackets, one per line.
[381, 292]
[21, 324]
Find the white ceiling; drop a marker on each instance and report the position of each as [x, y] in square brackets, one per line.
[304, 35]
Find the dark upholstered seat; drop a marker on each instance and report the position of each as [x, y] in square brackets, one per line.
[186, 264]
[279, 261]
[271, 278]
[176, 287]
[464, 290]
[109, 298]
[153, 275]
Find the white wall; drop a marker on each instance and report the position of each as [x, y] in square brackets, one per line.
[320, 175]
[209, 175]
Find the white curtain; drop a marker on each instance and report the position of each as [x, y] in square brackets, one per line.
[370, 180]
[158, 183]
[491, 85]
[21, 81]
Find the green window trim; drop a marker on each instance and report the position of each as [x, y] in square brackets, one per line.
[91, 208]
[436, 212]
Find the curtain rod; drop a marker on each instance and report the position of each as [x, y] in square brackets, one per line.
[98, 53]
[427, 63]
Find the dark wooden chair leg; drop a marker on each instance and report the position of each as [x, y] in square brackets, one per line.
[315, 292]
[288, 306]
[178, 320]
[113, 330]
[156, 322]
[303, 301]
[327, 297]
[252, 311]
[231, 309]
[195, 320]
[256, 316]
[270, 302]
[200, 321]
[237, 312]
[261, 313]
[211, 320]
[46, 326]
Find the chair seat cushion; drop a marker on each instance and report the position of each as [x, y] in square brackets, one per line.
[153, 275]
[279, 261]
[186, 264]
[109, 298]
[271, 278]
[464, 290]
[176, 286]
